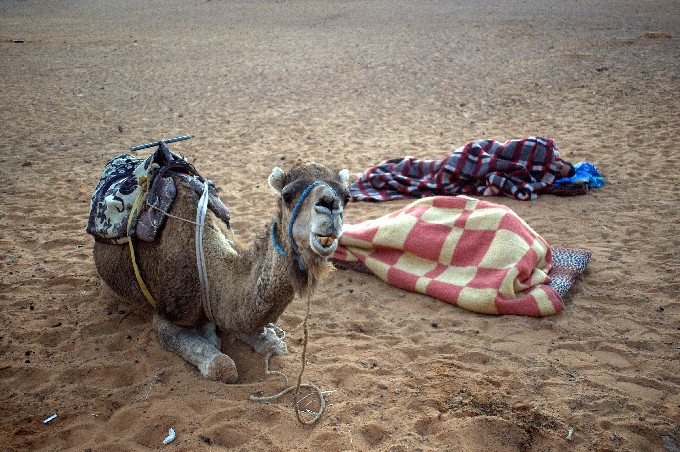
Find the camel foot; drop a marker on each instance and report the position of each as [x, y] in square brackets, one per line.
[222, 368]
[270, 339]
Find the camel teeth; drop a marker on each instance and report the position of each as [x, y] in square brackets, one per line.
[325, 240]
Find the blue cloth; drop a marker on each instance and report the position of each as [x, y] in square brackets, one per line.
[586, 173]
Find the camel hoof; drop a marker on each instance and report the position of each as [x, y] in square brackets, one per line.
[222, 368]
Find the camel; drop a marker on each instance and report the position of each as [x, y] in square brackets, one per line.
[249, 288]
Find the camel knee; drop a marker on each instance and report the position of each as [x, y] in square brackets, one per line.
[196, 349]
[220, 368]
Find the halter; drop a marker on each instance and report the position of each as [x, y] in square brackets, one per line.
[296, 210]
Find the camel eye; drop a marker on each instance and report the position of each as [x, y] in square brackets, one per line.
[287, 197]
[344, 197]
[289, 193]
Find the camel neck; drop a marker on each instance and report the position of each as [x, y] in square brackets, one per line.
[282, 253]
[266, 284]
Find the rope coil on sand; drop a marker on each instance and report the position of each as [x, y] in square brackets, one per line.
[299, 385]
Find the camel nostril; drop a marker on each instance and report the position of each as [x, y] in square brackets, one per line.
[329, 203]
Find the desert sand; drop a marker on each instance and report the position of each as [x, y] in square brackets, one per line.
[348, 84]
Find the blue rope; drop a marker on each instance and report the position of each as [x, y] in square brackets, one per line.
[296, 210]
[277, 247]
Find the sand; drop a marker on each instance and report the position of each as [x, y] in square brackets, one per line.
[346, 83]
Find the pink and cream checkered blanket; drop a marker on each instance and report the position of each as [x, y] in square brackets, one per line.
[471, 253]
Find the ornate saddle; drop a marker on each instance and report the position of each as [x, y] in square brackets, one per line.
[150, 183]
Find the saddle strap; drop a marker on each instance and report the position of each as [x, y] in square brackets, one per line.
[138, 275]
[200, 255]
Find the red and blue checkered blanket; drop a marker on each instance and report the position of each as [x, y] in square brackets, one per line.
[517, 168]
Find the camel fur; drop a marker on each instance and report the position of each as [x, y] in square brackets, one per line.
[248, 288]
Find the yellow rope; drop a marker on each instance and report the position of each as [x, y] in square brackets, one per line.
[138, 275]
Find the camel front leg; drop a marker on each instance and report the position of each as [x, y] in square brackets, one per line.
[195, 348]
[210, 333]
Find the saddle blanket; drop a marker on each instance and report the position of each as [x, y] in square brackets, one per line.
[517, 168]
[470, 253]
[126, 177]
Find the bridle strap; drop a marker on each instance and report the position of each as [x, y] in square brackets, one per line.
[293, 217]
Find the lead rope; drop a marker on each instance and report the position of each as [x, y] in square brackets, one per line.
[299, 385]
[296, 401]
[313, 388]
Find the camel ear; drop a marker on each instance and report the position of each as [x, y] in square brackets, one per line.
[344, 177]
[276, 179]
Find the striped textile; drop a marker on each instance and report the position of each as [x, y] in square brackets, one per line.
[470, 253]
[517, 168]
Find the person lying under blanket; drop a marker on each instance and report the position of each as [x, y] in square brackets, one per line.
[520, 169]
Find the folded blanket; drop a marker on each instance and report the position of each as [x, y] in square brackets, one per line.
[517, 168]
[474, 254]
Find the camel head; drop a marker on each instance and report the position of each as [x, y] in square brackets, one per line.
[311, 202]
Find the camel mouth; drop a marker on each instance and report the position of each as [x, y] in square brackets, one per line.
[324, 244]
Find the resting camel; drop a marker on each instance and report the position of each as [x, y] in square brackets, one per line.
[248, 288]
